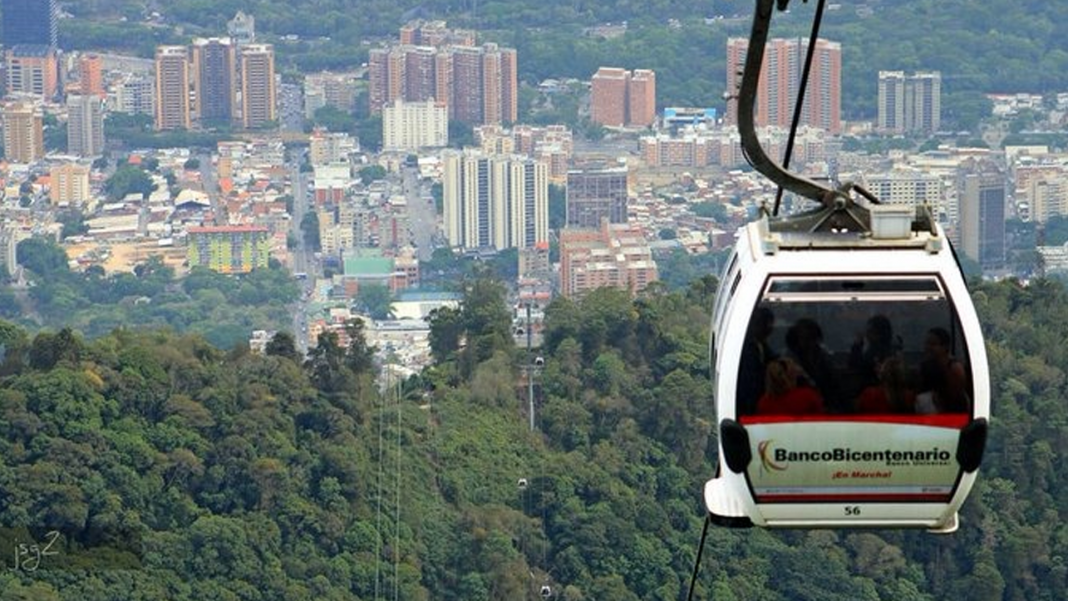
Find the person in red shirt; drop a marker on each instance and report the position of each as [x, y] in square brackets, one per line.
[891, 394]
[787, 391]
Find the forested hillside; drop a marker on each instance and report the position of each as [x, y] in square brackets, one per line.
[264, 477]
[986, 47]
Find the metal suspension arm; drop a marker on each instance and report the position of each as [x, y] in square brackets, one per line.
[754, 152]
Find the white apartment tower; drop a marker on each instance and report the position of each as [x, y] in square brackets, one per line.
[85, 125]
[910, 103]
[414, 125]
[495, 201]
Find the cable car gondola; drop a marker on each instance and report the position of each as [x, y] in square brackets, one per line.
[852, 386]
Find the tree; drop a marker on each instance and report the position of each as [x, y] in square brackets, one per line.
[460, 134]
[376, 300]
[369, 130]
[486, 319]
[191, 164]
[359, 356]
[335, 119]
[372, 173]
[446, 331]
[73, 223]
[42, 256]
[282, 344]
[128, 179]
[309, 225]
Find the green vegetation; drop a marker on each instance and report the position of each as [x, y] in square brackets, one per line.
[129, 179]
[225, 309]
[372, 173]
[375, 300]
[265, 477]
[136, 131]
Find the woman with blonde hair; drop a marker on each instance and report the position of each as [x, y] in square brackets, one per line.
[787, 391]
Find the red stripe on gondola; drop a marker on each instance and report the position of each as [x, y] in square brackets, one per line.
[942, 420]
[855, 498]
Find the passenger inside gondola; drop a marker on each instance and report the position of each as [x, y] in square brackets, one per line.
[757, 353]
[804, 341]
[891, 394]
[872, 347]
[787, 391]
[943, 380]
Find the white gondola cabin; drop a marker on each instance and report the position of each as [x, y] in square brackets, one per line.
[875, 323]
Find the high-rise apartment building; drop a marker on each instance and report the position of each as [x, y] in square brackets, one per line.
[494, 201]
[91, 74]
[923, 95]
[258, 96]
[29, 22]
[414, 125]
[32, 70]
[70, 185]
[85, 125]
[641, 98]
[981, 185]
[910, 103]
[134, 94]
[478, 84]
[619, 98]
[608, 96]
[172, 88]
[23, 132]
[214, 80]
[780, 78]
[891, 118]
[594, 194]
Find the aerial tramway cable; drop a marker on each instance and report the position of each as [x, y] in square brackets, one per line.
[798, 106]
[800, 100]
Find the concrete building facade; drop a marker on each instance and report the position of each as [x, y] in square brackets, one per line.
[414, 125]
[214, 80]
[29, 22]
[478, 84]
[981, 186]
[595, 194]
[172, 88]
[23, 132]
[85, 125]
[32, 70]
[70, 185]
[909, 103]
[494, 201]
[258, 94]
[780, 79]
[611, 255]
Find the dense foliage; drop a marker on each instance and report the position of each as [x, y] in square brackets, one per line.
[225, 309]
[262, 477]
